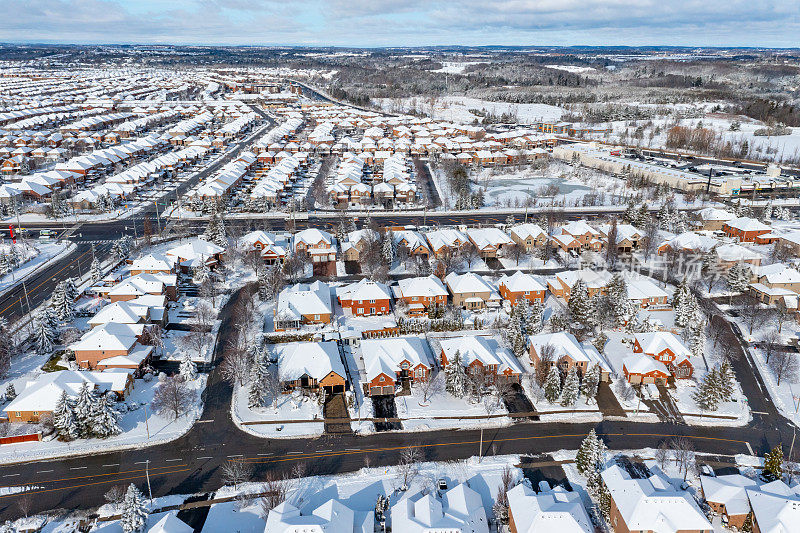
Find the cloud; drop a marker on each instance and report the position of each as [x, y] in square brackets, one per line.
[408, 22]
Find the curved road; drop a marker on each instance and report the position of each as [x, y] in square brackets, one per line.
[192, 463]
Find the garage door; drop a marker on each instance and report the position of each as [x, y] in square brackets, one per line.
[388, 390]
[375, 391]
[338, 388]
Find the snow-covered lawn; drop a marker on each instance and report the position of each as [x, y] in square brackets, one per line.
[457, 109]
[288, 407]
[33, 256]
[135, 424]
[418, 415]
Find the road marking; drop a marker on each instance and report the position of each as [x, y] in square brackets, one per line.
[294, 453]
[43, 471]
[749, 449]
[324, 451]
[141, 462]
[759, 413]
[108, 466]
[264, 454]
[237, 455]
[171, 460]
[79, 467]
[10, 475]
[204, 421]
[353, 449]
[201, 458]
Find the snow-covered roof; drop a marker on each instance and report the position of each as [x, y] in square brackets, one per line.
[479, 348]
[520, 282]
[449, 238]
[384, 356]
[427, 287]
[776, 507]
[523, 231]
[486, 237]
[300, 300]
[728, 490]
[314, 359]
[460, 509]
[736, 252]
[330, 517]
[747, 224]
[312, 237]
[714, 214]
[641, 287]
[122, 312]
[594, 279]
[42, 393]
[655, 342]
[556, 510]
[579, 227]
[652, 504]
[690, 240]
[469, 282]
[643, 364]
[363, 290]
[153, 262]
[109, 336]
[170, 523]
[196, 249]
[566, 345]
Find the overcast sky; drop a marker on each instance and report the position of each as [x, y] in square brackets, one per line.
[405, 23]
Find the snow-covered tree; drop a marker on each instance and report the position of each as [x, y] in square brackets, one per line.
[11, 392]
[516, 336]
[738, 277]
[455, 376]
[600, 342]
[134, 511]
[95, 273]
[591, 456]
[571, 391]
[64, 419]
[552, 386]
[773, 464]
[591, 381]
[706, 395]
[534, 323]
[389, 248]
[84, 405]
[621, 307]
[61, 302]
[579, 306]
[215, 231]
[104, 418]
[43, 334]
[727, 381]
[71, 290]
[187, 368]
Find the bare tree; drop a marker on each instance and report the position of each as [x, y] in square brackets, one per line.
[469, 253]
[784, 365]
[547, 354]
[515, 252]
[236, 364]
[299, 470]
[115, 494]
[662, 455]
[500, 507]
[294, 266]
[683, 454]
[729, 348]
[275, 488]
[408, 468]
[612, 252]
[24, 504]
[770, 343]
[203, 315]
[209, 290]
[273, 281]
[430, 387]
[753, 313]
[235, 472]
[173, 397]
[273, 387]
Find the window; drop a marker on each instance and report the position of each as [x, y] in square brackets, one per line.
[360, 310]
[316, 317]
[36, 413]
[404, 366]
[415, 298]
[18, 414]
[382, 379]
[372, 301]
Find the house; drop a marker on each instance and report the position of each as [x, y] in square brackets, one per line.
[729, 254]
[459, 510]
[394, 361]
[330, 517]
[121, 312]
[644, 292]
[303, 304]
[488, 241]
[628, 236]
[587, 236]
[142, 284]
[412, 242]
[311, 367]
[564, 350]
[112, 345]
[471, 291]
[778, 276]
[421, 293]
[170, 523]
[775, 507]
[40, 395]
[318, 244]
[688, 242]
[365, 298]
[639, 368]
[269, 247]
[357, 241]
[152, 264]
[482, 356]
[664, 346]
[528, 236]
[774, 296]
[194, 253]
[745, 229]
[713, 219]
[727, 496]
[596, 281]
[446, 240]
[521, 286]
[555, 510]
[651, 504]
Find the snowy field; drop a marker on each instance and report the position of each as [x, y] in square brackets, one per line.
[287, 407]
[457, 109]
[416, 413]
[34, 256]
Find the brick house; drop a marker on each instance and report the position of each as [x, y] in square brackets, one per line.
[521, 286]
[311, 367]
[365, 298]
[745, 229]
[482, 355]
[665, 347]
[421, 293]
[392, 362]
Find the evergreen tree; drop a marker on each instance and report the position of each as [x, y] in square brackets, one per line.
[773, 464]
[552, 386]
[51, 319]
[215, 231]
[105, 419]
[455, 376]
[516, 337]
[621, 307]
[134, 511]
[679, 303]
[43, 334]
[571, 388]
[11, 392]
[64, 419]
[727, 381]
[706, 396]
[201, 273]
[600, 342]
[591, 456]
[738, 277]
[591, 381]
[579, 306]
[95, 273]
[697, 340]
[61, 303]
[187, 368]
[533, 324]
[71, 290]
[389, 248]
[84, 405]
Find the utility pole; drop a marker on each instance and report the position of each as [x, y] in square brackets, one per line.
[158, 218]
[146, 425]
[147, 474]
[480, 450]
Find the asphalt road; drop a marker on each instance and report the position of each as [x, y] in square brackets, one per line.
[193, 462]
